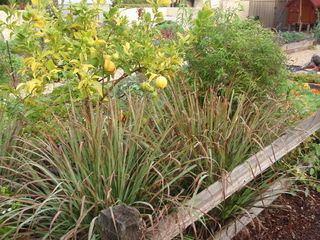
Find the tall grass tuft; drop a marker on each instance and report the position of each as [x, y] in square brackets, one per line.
[218, 132]
[10, 129]
[149, 153]
[98, 158]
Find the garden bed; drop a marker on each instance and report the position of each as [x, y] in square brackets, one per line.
[298, 46]
[290, 217]
[162, 137]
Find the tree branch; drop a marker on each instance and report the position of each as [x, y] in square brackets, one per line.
[116, 81]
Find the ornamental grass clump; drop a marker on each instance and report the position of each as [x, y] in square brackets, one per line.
[10, 130]
[148, 153]
[217, 132]
[97, 159]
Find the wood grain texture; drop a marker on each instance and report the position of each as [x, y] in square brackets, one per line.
[216, 193]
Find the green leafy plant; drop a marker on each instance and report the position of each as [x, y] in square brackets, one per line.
[316, 31]
[227, 52]
[303, 165]
[308, 155]
[304, 100]
[290, 37]
[312, 158]
[82, 46]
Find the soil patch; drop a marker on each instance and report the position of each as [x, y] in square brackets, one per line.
[294, 217]
[302, 57]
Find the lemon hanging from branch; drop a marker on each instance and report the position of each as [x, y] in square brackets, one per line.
[161, 82]
[108, 65]
[164, 3]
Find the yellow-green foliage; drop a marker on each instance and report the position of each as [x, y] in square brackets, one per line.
[74, 45]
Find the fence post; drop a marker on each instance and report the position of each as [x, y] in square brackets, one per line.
[120, 223]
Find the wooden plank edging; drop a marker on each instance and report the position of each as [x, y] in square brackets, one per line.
[265, 200]
[278, 187]
[216, 193]
[298, 46]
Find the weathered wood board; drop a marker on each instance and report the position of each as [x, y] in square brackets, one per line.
[262, 202]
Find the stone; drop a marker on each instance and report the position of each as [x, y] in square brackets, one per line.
[120, 223]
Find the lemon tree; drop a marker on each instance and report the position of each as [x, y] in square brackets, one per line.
[93, 49]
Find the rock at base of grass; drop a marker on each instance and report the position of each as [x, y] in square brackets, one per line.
[120, 223]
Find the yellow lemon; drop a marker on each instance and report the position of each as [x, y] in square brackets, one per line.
[146, 87]
[100, 42]
[161, 82]
[39, 23]
[109, 66]
[164, 3]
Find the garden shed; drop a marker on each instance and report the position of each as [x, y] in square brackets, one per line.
[302, 12]
[271, 13]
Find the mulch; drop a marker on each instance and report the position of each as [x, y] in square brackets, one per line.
[289, 218]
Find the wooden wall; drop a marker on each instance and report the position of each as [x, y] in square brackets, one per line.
[272, 13]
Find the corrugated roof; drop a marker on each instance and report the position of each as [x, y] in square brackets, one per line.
[315, 3]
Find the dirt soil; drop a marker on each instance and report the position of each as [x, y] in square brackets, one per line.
[293, 218]
[302, 57]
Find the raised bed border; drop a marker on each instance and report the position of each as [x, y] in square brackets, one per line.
[298, 46]
[265, 200]
[202, 203]
[278, 187]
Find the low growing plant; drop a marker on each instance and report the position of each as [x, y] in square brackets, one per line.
[290, 37]
[304, 100]
[149, 153]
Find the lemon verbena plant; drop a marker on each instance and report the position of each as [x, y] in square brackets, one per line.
[92, 48]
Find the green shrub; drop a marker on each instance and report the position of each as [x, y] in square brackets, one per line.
[305, 78]
[290, 37]
[85, 46]
[316, 31]
[231, 53]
